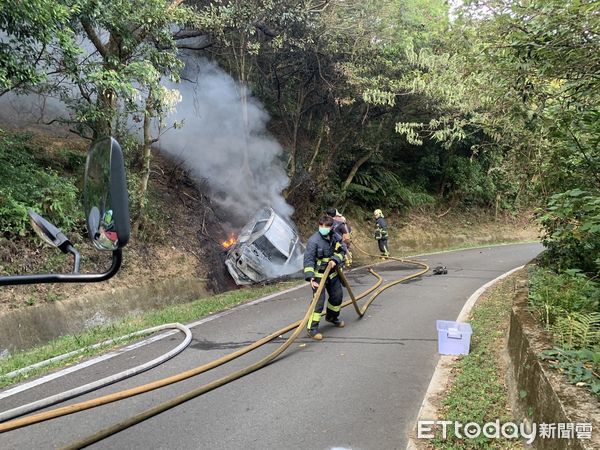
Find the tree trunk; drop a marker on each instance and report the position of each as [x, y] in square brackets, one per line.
[317, 145]
[146, 158]
[294, 148]
[240, 60]
[357, 165]
[106, 100]
[497, 206]
[297, 119]
[106, 104]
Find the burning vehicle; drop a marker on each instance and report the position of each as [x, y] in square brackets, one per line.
[267, 247]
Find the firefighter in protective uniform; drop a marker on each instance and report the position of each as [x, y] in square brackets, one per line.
[381, 232]
[322, 247]
[341, 227]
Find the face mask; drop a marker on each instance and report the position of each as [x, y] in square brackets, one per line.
[324, 230]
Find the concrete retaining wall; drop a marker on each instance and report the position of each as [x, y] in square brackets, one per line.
[541, 394]
[27, 327]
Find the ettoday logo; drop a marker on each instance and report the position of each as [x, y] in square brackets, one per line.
[430, 429]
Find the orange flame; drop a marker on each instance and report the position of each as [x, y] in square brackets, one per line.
[229, 242]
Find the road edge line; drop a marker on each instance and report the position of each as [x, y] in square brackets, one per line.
[70, 369]
[10, 391]
[442, 369]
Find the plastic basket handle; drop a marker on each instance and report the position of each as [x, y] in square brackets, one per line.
[454, 335]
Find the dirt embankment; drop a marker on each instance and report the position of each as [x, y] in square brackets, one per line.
[181, 240]
[423, 231]
[185, 228]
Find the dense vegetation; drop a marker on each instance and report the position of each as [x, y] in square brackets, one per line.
[495, 104]
[378, 103]
[27, 178]
[393, 103]
[568, 306]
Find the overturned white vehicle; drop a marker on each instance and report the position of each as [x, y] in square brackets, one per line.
[267, 247]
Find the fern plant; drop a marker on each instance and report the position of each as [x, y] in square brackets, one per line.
[373, 185]
[568, 305]
[577, 330]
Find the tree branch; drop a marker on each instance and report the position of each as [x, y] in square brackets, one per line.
[265, 30]
[187, 35]
[189, 47]
[93, 36]
[585, 156]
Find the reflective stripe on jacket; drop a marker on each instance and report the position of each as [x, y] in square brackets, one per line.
[381, 231]
[319, 251]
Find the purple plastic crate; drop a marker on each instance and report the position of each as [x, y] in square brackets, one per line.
[454, 338]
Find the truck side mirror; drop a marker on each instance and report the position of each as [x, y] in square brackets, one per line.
[106, 207]
[47, 232]
[105, 199]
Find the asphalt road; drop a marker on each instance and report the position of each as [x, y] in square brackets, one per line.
[360, 388]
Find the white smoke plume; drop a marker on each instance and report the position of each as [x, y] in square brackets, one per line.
[225, 141]
[224, 137]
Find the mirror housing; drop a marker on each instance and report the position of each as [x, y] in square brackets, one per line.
[47, 232]
[105, 198]
[106, 206]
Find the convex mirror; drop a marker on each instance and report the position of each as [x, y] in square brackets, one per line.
[105, 196]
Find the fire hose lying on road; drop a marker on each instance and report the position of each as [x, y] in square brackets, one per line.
[61, 397]
[297, 327]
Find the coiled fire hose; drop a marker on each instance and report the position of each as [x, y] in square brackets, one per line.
[299, 326]
[75, 392]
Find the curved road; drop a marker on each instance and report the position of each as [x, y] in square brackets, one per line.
[360, 388]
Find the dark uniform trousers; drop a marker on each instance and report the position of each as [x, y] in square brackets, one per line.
[333, 286]
[320, 250]
[381, 234]
[383, 246]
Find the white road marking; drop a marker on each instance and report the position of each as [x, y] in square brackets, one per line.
[83, 365]
[91, 362]
[441, 372]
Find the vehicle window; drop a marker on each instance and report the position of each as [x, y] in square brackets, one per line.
[259, 226]
[269, 250]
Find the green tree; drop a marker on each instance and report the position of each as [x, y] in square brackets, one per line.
[519, 81]
[109, 79]
[29, 29]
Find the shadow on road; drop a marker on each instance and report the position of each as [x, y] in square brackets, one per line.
[211, 345]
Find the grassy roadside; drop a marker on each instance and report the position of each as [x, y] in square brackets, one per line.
[423, 232]
[567, 306]
[477, 391]
[183, 313]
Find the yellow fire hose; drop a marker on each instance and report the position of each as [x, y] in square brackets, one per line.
[299, 326]
[361, 312]
[62, 411]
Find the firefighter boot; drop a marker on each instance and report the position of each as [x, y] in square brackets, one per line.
[335, 321]
[313, 332]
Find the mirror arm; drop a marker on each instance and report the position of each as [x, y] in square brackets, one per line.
[73, 251]
[117, 258]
